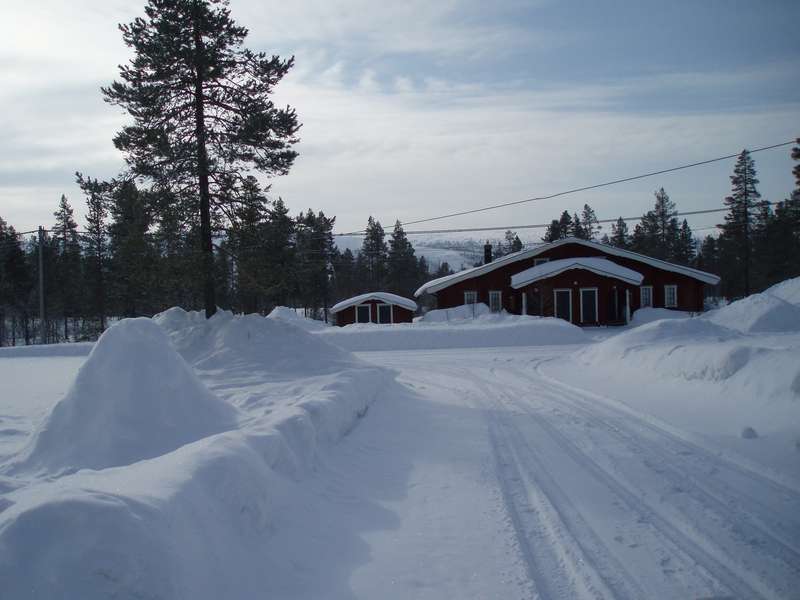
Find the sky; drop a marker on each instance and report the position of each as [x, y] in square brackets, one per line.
[415, 109]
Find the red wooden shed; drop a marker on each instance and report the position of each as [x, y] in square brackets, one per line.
[374, 307]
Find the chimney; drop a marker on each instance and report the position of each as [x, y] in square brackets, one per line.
[487, 253]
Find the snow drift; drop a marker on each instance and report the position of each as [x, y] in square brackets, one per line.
[458, 313]
[759, 313]
[289, 315]
[648, 315]
[133, 399]
[788, 290]
[225, 341]
[487, 331]
[153, 528]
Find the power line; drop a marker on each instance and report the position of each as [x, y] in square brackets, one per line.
[580, 189]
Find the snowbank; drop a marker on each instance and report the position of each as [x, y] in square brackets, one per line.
[193, 521]
[648, 315]
[788, 290]
[225, 341]
[459, 313]
[46, 350]
[289, 315]
[487, 331]
[758, 313]
[134, 398]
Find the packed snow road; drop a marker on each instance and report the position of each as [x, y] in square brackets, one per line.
[522, 486]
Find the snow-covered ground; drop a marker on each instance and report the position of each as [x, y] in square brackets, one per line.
[654, 461]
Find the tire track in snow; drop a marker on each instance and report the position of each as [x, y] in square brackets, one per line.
[703, 549]
[749, 513]
[582, 559]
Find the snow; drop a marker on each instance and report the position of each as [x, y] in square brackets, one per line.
[759, 313]
[658, 462]
[485, 331]
[457, 313]
[649, 314]
[788, 290]
[600, 266]
[289, 315]
[134, 398]
[181, 515]
[380, 296]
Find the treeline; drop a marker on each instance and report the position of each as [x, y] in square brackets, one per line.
[758, 243]
[137, 256]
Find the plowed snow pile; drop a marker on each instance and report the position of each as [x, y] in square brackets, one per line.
[197, 518]
[759, 313]
[225, 341]
[485, 331]
[788, 290]
[133, 399]
[289, 315]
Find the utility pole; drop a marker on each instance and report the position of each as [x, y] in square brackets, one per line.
[42, 324]
[746, 234]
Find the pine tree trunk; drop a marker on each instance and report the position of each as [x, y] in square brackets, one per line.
[202, 173]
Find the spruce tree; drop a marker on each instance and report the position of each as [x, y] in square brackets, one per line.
[96, 245]
[375, 254]
[737, 236]
[202, 111]
[402, 268]
[553, 231]
[577, 229]
[685, 245]
[591, 228]
[619, 235]
[68, 263]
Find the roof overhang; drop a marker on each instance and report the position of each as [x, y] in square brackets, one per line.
[384, 297]
[441, 283]
[594, 264]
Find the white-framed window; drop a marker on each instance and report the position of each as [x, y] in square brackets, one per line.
[589, 307]
[539, 261]
[646, 296]
[470, 297]
[385, 314]
[670, 296]
[495, 300]
[364, 313]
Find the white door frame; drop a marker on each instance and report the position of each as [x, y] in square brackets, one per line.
[391, 313]
[555, 301]
[652, 298]
[500, 294]
[369, 306]
[596, 307]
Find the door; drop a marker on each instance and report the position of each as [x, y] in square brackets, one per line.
[563, 304]
[588, 305]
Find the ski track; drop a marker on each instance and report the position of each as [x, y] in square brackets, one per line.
[664, 517]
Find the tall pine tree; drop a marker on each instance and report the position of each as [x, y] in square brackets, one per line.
[202, 110]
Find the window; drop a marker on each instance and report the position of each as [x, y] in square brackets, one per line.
[670, 296]
[539, 261]
[385, 313]
[646, 296]
[363, 313]
[471, 297]
[495, 300]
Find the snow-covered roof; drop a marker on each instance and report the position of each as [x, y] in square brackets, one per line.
[595, 264]
[443, 282]
[380, 296]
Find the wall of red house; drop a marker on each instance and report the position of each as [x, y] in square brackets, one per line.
[348, 315]
[690, 290]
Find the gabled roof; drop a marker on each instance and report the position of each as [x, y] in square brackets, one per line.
[595, 264]
[444, 282]
[379, 296]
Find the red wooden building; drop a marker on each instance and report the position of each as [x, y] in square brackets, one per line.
[584, 282]
[374, 307]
